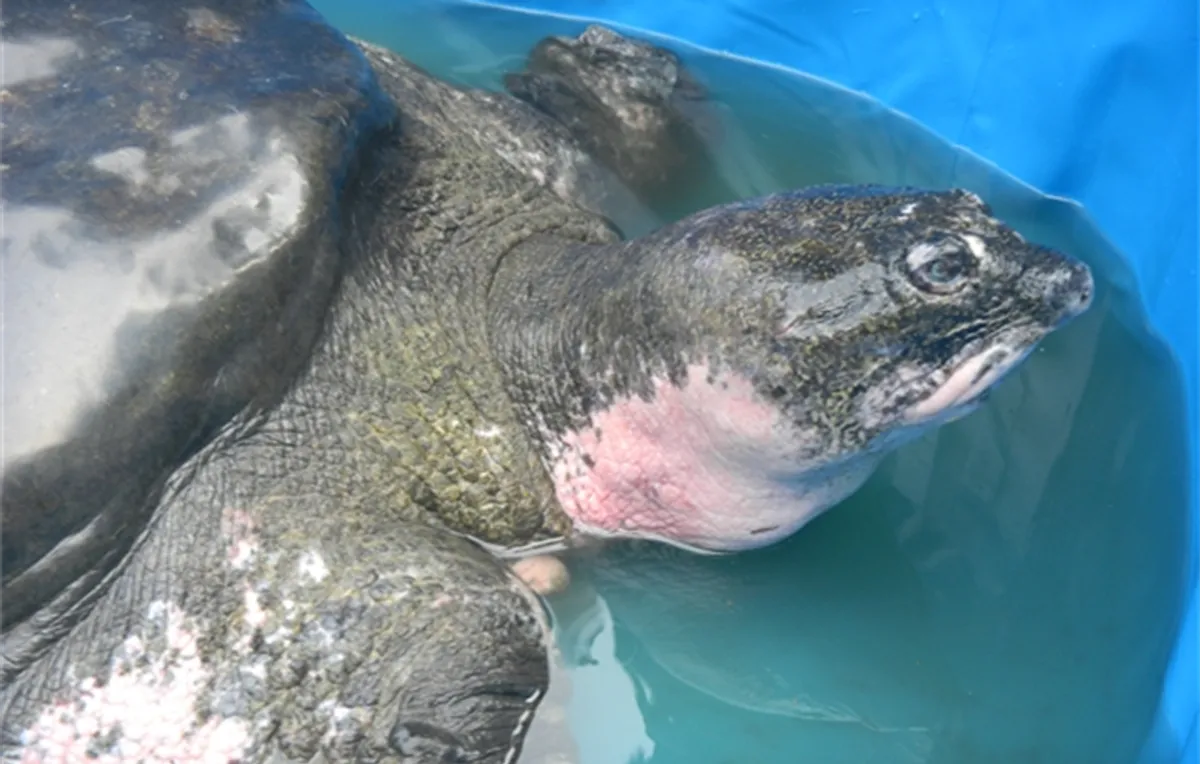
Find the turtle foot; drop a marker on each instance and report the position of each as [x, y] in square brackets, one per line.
[630, 104]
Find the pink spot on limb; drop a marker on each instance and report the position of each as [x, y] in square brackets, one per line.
[237, 528]
[544, 574]
[708, 465]
[144, 712]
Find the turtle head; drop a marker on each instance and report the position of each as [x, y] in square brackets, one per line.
[733, 375]
[867, 314]
[628, 103]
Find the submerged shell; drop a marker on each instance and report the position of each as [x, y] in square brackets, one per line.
[170, 197]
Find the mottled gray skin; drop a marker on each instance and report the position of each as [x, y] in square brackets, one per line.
[807, 293]
[306, 558]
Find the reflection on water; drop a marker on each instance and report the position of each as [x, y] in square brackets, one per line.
[34, 58]
[1004, 590]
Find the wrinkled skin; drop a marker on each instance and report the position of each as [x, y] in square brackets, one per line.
[731, 376]
[313, 575]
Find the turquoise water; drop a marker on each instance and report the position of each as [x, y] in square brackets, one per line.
[1004, 590]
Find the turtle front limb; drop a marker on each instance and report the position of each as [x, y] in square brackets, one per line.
[632, 105]
[288, 630]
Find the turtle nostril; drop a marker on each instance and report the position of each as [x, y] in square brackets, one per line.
[1080, 288]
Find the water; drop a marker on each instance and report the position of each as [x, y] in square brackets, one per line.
[1004, 590]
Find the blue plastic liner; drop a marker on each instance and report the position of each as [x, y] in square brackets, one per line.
[1095, 102]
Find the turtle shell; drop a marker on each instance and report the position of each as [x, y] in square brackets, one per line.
[171, 245]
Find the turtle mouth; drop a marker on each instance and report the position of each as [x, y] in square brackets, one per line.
[962, 386]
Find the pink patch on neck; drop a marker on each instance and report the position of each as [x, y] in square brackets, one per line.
[709, 465]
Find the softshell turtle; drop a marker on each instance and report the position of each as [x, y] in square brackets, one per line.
[301, 342]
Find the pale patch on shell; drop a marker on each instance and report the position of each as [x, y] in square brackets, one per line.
[238, 530]
[335, 712]
[145, 711]
[313, 566]
[253, 616]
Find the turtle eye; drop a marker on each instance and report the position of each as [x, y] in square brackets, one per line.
[602, 56]
[942, 269]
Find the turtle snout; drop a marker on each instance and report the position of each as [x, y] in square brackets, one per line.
[1071, 295]
[1063, 285]
[1076, 294]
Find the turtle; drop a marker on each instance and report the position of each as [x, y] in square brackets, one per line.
[305, 347]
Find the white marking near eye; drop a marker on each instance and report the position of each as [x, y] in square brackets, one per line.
[921, 254]
[977, 246]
